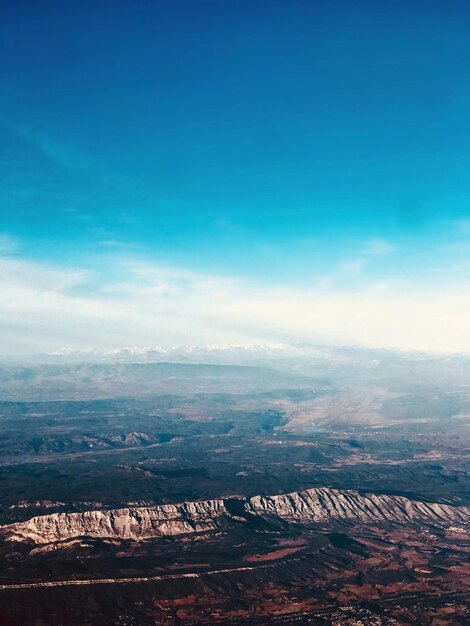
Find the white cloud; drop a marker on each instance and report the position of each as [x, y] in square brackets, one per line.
[378, 247]
[353, 266]
[8, 244]
[462, 227]
[44, 308]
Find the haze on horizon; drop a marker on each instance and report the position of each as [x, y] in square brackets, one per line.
[198, 172]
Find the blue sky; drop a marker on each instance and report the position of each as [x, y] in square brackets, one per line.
[271, 151]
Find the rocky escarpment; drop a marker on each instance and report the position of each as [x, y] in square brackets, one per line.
[128, 523]
[320, 505]
[309, 506]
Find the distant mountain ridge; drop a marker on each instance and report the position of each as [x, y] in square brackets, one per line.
[220, 352]
[101, 380]
[310, 506]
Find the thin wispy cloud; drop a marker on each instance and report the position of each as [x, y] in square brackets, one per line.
[352, 267]
[8, 244]
[59, 152]
[351, 270]
[378, 247]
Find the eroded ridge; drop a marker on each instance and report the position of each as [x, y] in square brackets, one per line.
[311, 505]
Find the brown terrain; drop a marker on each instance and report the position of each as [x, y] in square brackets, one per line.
[335, 495]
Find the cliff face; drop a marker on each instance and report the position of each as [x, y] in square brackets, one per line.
[312, 505]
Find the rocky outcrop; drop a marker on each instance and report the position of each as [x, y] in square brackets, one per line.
[128, 523]
[310, 506]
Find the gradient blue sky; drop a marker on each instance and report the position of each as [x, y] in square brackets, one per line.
[247, 153]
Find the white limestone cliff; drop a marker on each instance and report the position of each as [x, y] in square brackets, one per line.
[309, 506]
